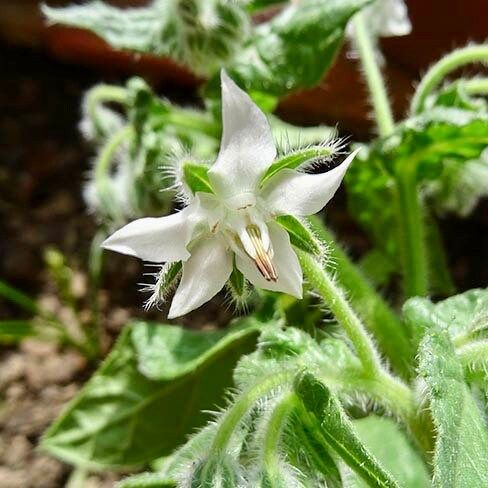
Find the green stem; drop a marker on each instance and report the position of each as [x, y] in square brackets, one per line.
[335, 299]
[412, 235]
[476, 86]
[243, 404]
[103, 165]
[274, 430]
[189, 120]
[99, 95]
[448, 64]
[374, 78]
[380, 320]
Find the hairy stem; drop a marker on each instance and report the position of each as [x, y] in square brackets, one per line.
[189, 120]
[335, 299]
[373, 75]
[99, 95]
[448, 64]
[103, 164]
[274, 431]
[380, 320]
[240, 408]
[476, 86]
[412, 233]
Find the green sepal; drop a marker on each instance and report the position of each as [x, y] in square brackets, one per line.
[296, 159]
[196, 177]
[300, 235]
[238, 287]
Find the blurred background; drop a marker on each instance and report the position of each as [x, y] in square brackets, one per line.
[43, 160]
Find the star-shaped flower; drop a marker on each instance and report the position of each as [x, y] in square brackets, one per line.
[233, 223]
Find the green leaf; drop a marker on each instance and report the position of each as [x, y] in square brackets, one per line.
[254, 6]
[300, 235]
[461, 185]
[18, 297]
[173, 467]
[383, 438]
[166, 352]
[148, 395]
[428, 143]
[13, 331]
[201, 35]
[294, 49]
[463, 316]
[461, 450]
[455, 95]
[196, 177]
[326, 420]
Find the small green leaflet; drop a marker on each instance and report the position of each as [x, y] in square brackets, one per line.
[461, 450]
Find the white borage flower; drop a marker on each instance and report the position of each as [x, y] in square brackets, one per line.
[231, 219]
[386, 18]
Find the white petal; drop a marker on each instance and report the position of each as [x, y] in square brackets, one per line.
[294, 193]
[155, 239]
[247, 148]
[289, 271]
[204, 275]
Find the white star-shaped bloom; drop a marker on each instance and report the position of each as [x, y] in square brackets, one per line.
[235, 225]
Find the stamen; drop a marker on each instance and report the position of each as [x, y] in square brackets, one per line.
[262, 257]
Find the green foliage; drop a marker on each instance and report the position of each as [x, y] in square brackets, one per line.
[201, 35]
[383, 438]
[14, 331]
[464, 317]
[428, 146]
[461, 450]
[124, 416]
[294, 49]
[325, 419]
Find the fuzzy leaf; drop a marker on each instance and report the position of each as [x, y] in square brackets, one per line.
[300, 236]
[390, 446]
[326, 419]
[294, 49]
[461, 451]
[463, 314]
[201, 35]
[148, 395]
